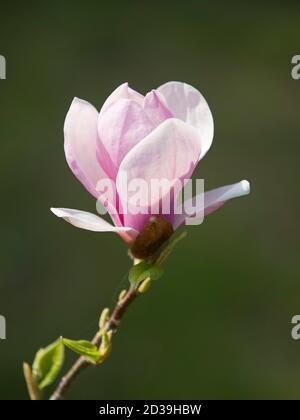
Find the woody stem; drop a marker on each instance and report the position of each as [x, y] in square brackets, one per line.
[82, 363]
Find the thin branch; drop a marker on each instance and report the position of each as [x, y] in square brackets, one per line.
[82, 363]
[32, 387]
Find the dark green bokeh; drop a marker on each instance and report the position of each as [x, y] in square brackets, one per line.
[217, 325]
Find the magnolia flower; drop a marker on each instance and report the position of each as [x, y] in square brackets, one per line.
[161, 135]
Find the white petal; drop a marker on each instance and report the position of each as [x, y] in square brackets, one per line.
[89, 221]
[214, 199]
[228, 192]
[187, 104]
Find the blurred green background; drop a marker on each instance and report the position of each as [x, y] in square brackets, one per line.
[218, 324]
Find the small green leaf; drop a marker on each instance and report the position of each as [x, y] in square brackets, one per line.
[105, 347]
[84, 348]
[144, 286]
[47, 364]
[144, 270]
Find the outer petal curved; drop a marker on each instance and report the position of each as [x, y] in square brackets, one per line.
[187, 104]
[170, 152]
[215, 199]
[80, 144]
[80, 147]
[89, 221]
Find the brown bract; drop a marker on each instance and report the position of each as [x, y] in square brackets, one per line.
[156, 231]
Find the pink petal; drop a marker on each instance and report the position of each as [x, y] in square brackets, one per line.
[187, 104]
[156, 108]
[80, 144]
[89, 221]
[122, 92]
[80, 147]
[215, 199]
[169, 152]
[120, 128]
